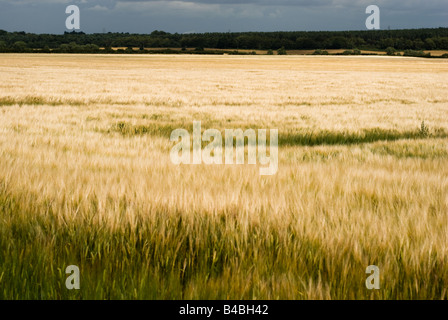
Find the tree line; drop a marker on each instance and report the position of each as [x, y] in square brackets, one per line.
[406, 39]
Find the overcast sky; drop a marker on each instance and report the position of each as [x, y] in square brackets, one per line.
[144, 16]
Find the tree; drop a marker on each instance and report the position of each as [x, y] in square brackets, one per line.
[419, 44]
[64, 48]
[339, 43]
[430, 44]
[91, 48]
[281, 51]
[3, 46]
[390, 51]
[420, 39]
[19, 46]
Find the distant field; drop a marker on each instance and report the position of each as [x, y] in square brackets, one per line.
[435, 53]
[86, 178]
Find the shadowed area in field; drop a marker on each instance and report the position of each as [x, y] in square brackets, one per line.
[31, 100]
[326, 137]
[163, 255]
[301, 137]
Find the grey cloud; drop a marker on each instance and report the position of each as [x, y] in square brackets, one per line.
[246, 2]
[142, 16]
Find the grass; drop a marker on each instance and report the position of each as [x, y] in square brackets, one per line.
[326, 137]
[127, 129]
[361, 181]
[169, 255]
[294, 136]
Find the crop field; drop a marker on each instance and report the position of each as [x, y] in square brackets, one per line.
[86, 177]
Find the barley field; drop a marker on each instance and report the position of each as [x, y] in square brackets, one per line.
[86, 177]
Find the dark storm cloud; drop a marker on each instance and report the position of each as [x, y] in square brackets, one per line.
[259, 2]
[142, 16]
